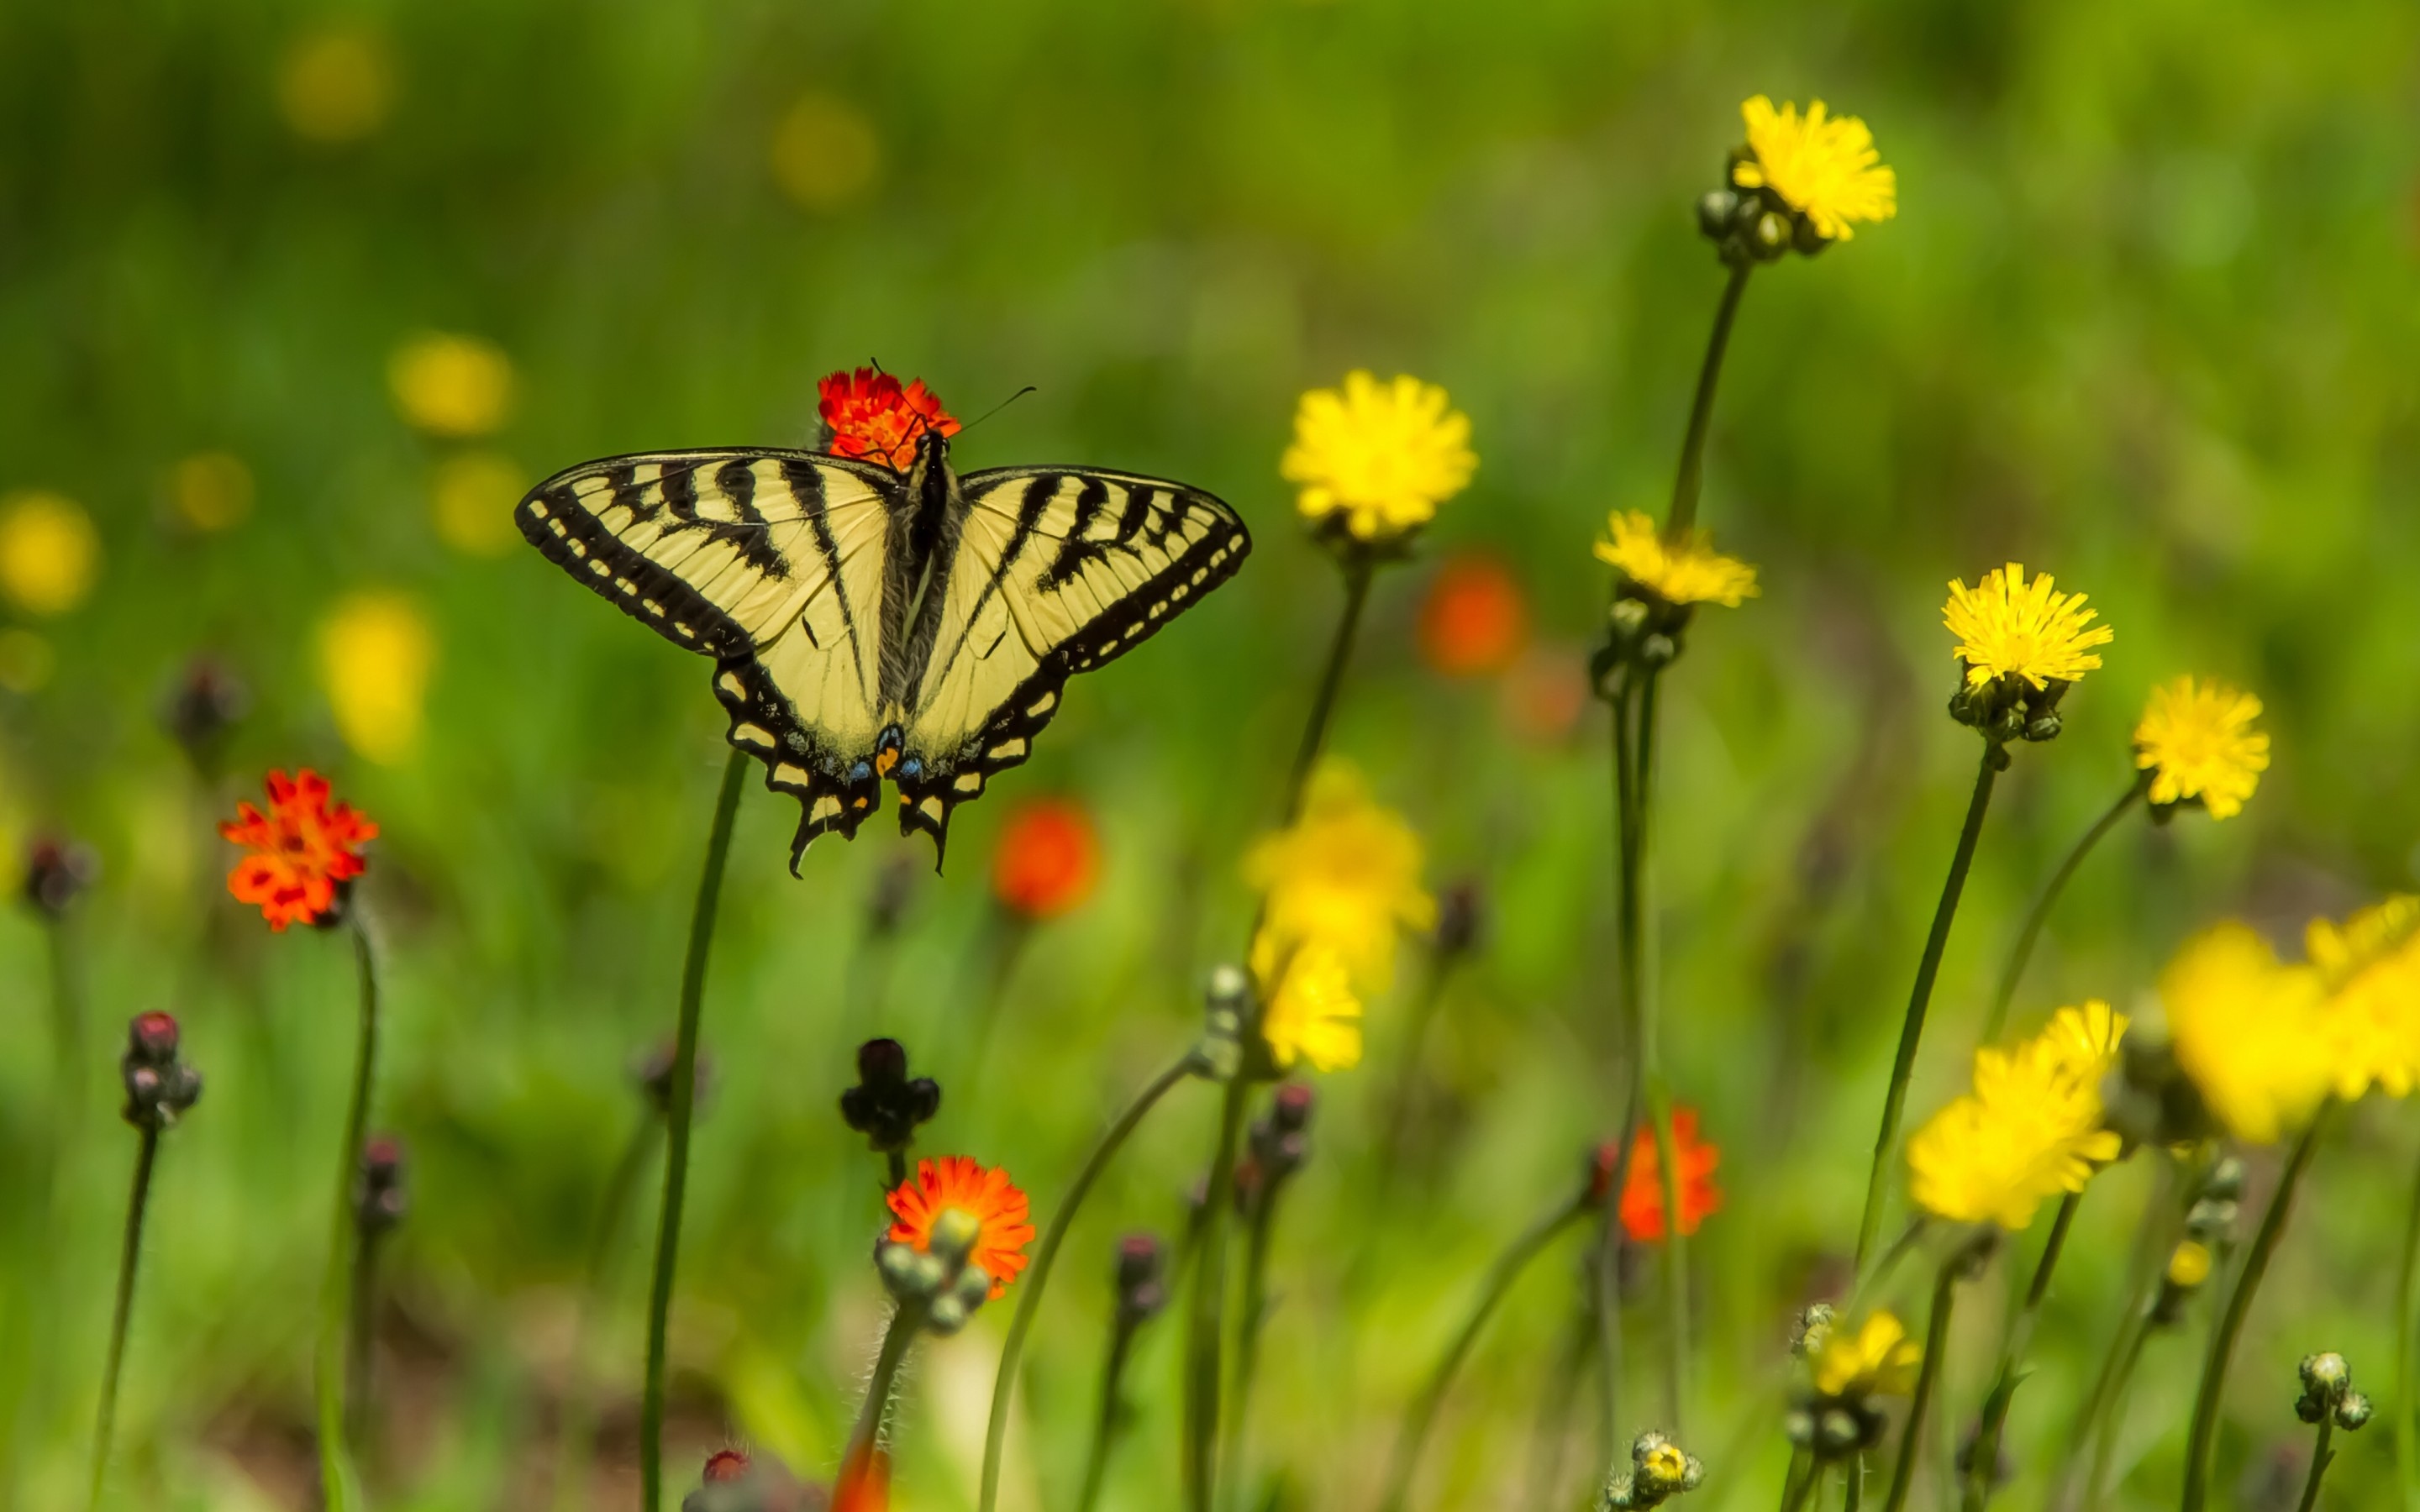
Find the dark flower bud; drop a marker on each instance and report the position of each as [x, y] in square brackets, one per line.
[655, 1078]
[2326, 1373]
[1289, 1108]
[202, 708]
[2226, 1180]
[1715, 210]
[725, 1465]
[886, 902]
[56, 871]
[1804, 238]
[379, 1201]
[736, 1481]
[1142, 1293]
[1838, 1431]
[152, 1039]
[1773, 235]
[160, 1087]
[886, 1105]
[2352, 1413]
[1798, 1426]
[1462, 919]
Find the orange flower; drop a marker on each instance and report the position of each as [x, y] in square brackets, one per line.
[1642, 1195]
[1048, 859]
[984, 1194]
[864, 1484]
[1473, 621]
[871, 416]
[297, 853]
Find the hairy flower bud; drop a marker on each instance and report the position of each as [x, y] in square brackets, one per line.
[886, 1105]
[160, 1087]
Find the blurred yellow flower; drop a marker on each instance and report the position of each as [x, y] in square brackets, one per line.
[2196, 740]
[1828, 170]
[50, 554]
[2370, 965]
[1377, 457]
[27, 662]
[375, 653]
[2249, 1030]
[825, 153]
[1685, 572]
[470, 499]
[1308, 1010]
[2031, 1126]
[2189, 1264]
[211, 490]
[1879, 1359]
[2006, 627]
[1346, 875]
[336, 85]
[451, 385]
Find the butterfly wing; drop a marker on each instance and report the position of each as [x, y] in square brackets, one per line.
[1043, 573]
[780, 565]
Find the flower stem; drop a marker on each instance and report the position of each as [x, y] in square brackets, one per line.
[1702, 409]
[682, 1100]
[1628, 977]
[2239, 1304]
[1357, 572]
[129, 1255]
[1936, 1338]
[1983, 1461]
[1911, 1032]
[1500, 1276]
[2407, 1379]
[1555, 1417]
[361, 1305]
[2320, 1454]
[579, 1414]
[2126, 1352]
[1028, 1297]
[1204, 1322]
[1247, 1342]
[2153, 1238]
[338, 1480]
[1105, 1426]
[1798, 1482]
[907, 1321]
[2040, 915]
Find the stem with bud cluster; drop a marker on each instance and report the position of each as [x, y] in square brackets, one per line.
[129, 1255]
[338, 1483]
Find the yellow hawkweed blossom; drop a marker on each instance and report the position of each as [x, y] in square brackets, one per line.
[452, 386]
[50, 554]
[1309, 1010]
[1826, 169]
[2249, 1030]
[211, 490]
[825, 153]
[1689, 571]
[2370, 965]
[2189, 1264]
[471, 499]
[2006, 627]
[2031, 1126]
[1381, 457]
[2196, 740]
[375, 653]
[1879, 1359]
[1346, 874]
[336, 85]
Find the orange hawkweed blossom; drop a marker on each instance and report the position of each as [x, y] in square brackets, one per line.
[1642, 1192]
[1473, 621]
[1048, 860]
[958, 1184]
[871, 416]
[297, 853]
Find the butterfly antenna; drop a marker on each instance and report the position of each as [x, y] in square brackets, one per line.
[996, 408]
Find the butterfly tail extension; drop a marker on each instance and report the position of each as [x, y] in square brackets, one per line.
[831, 799]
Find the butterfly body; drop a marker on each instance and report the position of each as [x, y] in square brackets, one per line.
[870, 625]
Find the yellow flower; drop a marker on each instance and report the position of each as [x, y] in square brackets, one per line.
[2249, 1030]
[1382, 456]
[1878, 1359]
[824, 152]
[450, 386]
[1825, 169]
[50, 554]
[470, 499]
[336, 85]
[2030, 1127]
[1686, 572]
[1346, 875]
[2197, 740]
[2189, 1264]
[1310, 1011]
[375, 653]
[211, 490]
[2370, 965]
[2009, 627]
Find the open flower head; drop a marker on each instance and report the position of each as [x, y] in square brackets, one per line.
[2249, 1030]
[50, 553]
[1310, 1012]
[2030, 1128]
[1877, 1359]
[2196, 740]
[1345, 875]
[868, 414]
[1689, 571]
[377, 653]
[958, 1184]
[1642, 1193]
[1825, 167]
[1048, 860]
[296, 853]
[450, 385]
[2009, 627]
[1377, 458]
[2371, 968]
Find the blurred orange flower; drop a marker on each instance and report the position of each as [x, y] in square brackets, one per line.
[864, 1484]
[984, 1194]
[1642, 1192]
[871, 416]
[1048, 860]
[298, 851]
[1473, 621]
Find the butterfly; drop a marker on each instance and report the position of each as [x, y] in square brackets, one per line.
[873, 622]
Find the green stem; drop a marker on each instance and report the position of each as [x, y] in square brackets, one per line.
[2155, 1238]
[613, 1211]
[1982, 1463]
[1798, 1482]
[1640, 944]
[1402, 1097]
[338, 1480]
[1037, 1278]
[361, 1306]
[1500, 1276]
[2126, 1353]
[2319, 1457]
[682, 1098]
[1702, 409]
[1553, 1418]
[2239, 1304]
[1204, 1323]
[2406, 1380]
[907, 1322]
[2023, 951]
[1357, 572]
[1105, 1426]
[1936, 1338]
[1630, 992]
[1247, 1343]
[1911, 1032]
[129, 1254]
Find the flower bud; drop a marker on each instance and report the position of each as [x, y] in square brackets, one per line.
[379, 1201]
[886, 1105]
[207, 704]
[58, 870]
[1140, 1292]
[160, 1087]
[2326, 1373]
[947, 1315]
[1772, 235]
[2352, 1413]
[955, 1232]
[1809, 1331]
[1715, 210]
[1838, 1431]
[654, 1078]
[1460, 919]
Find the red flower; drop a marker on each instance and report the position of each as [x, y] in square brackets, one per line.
[872, 417]
[1642, 1195]
[984, 1194]
[864, 1484]
[1473, 621]
[297, 853]
[1048, 859]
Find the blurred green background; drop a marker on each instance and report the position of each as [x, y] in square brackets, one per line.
[2146, 320]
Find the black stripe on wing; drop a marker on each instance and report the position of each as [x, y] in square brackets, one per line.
[836, 789]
